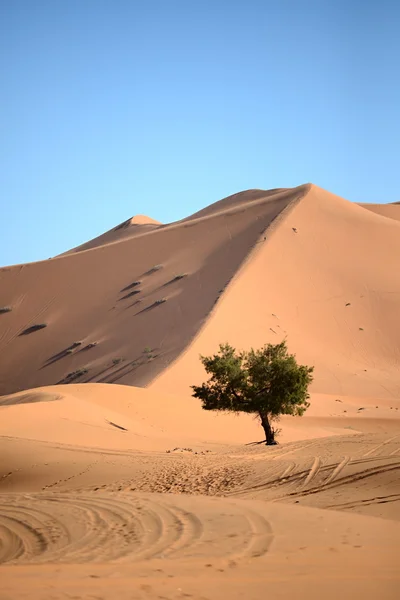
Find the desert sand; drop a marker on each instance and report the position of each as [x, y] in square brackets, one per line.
[115, 484]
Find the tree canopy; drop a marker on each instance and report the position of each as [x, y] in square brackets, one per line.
[267, 382]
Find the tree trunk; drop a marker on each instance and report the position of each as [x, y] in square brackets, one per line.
[269, 432]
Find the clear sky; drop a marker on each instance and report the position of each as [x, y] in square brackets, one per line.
[110, 108]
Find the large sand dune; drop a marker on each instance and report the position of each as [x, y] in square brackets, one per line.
[301, 263]
[110, 490]
[327, 279]
[113, 296]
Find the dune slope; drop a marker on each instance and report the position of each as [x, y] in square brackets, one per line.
[123, 311]
[326, 280]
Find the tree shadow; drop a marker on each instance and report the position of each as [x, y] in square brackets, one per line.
[88, 347]
[130, 286]
[134, 304]
[130, 294]
[255, 443]
[33, 328]
[153, 270]
[56, 357]
[274, 443]
[172, 281]
[117, 426]
[59, 355]
[154, 305]
[73, 376]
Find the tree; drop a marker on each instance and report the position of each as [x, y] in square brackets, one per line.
[266, 382]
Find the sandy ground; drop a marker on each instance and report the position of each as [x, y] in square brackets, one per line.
[113, 491]
[97, 501]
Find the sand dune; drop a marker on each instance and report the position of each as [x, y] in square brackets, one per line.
[110, 490]
[392, 211]
[123, 417]
[324, 286]
[122, 312]
[137, 225]
[113, 416]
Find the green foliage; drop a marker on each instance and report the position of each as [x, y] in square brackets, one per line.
[76, 344]
[73, 376]
[267, 382]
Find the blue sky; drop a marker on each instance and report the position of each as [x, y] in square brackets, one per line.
[110, 108]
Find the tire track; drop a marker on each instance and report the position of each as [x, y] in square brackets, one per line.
[271, 483]
[12, 546]
[25, 540]
[261, 535]
[288, 471]
[4, 335]
[313, 471]
[328, 476]
[381, 445]
[190, 529]
[349, 479]
[91, 528]
[339, 468]
[367, 502]
[395, 452]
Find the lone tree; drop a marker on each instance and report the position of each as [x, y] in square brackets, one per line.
[266, 382]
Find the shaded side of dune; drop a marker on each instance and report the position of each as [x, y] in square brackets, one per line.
[97, 331]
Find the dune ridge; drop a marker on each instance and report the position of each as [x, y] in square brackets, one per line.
[136, 225]
[187, 264]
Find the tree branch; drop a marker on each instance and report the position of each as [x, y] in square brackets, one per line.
[264, 389]
[237, 396]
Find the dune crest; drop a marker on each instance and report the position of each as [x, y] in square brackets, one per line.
[143, 220]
